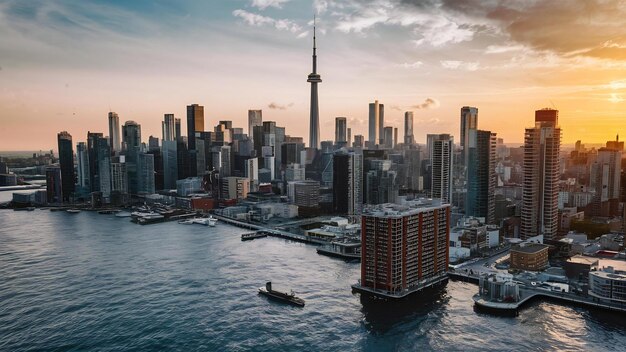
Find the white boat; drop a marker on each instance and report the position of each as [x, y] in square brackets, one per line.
[210, 221]
[73, 211]
[187, 222]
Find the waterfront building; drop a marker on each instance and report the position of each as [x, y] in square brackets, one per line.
[376, 123]
[93, 139]
[529, 256]
[54, 187]
[145, 174]
[542, 145]
[188, 186]
[82, 167]
[404, 248]
[314, 78]
[235, 187]
[114, 132]
[66, 163]
[104, 168]
[131, 147]
[306, 193]
[608, 283]
[341, 130]
[119, 180]
[347, 183]
[441, 161]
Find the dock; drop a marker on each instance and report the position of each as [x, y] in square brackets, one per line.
[270, 231]
[528, 294]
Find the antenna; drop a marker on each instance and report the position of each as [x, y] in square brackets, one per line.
[554, 106]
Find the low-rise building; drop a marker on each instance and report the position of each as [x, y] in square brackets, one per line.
[529, 256]
[609, 282]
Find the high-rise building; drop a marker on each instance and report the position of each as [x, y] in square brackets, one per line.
[441, 157]
[169, 152]
[93, 162]
[54, 188]
[255, 118]
[387, 141]
[409, 139]
[341, 130]
[359, 141]
[168, 127]
[469, 121]
[145, 174]
[404, 248]
[605, 181]
[314, 78]
[66, 163]
[119, 180]
[114, 131]
[82, 167]
[252, 172]
[481, 175]
[195, 123]
[376, 122]
[542, 144]
[347, 179]
[349, 140]
[104, 168]
[131, 136]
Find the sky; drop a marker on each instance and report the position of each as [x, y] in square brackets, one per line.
[65, 64]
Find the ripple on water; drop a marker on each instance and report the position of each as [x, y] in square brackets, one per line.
[90, 281]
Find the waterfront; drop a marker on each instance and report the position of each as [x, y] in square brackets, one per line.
[90, 281]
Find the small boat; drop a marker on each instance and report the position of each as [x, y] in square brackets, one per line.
[281, 296]
[253, 235]
[73, 211]
[186, 222]
[123, 214]
[211, 221]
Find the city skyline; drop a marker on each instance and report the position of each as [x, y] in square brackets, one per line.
[217, 55]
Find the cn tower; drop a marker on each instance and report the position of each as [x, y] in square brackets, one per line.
[314, 79]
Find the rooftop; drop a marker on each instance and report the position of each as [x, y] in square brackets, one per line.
[580, 259]
[529, 248]
[407, 208]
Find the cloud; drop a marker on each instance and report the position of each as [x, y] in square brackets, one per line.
[257, 20]
[459, 65]
[275, 106]
[413, 65]
[500, 49]
[616, 98]
[429, 103]
[263, 4]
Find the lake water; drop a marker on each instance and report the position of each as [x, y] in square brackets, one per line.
[87, 281]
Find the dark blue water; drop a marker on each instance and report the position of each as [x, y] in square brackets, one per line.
[96, 282]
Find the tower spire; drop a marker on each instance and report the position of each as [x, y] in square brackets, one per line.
[314, 78]
[314, 46]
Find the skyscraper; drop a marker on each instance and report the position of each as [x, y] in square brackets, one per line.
[82, 167]
[481, 175]
[347, 187]
[131, 143]
[92, 150]
[314, 79]
[340, 130]
[114, 131]
[66, 162]
[195, 123]
[168, 128]
[376, 122]
[469, 121]
[404, 248]
[542, 145]
[409, 139]
[387, 140]
[441, 167]
[255, 118]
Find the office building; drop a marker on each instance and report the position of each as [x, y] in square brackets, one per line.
[376, 122]
[307, 193]
[481, 175]
[347, 183]
[235, 187]
[529, 256]
[82, 167]
[93, 161]
[195, 123]
[255, 118]
[441, 159]
[54, 188]
[469, 121]
[66, 163]
[114, 132]
[387, 141]
[542, 145]
[169, 152]
[404, 248]
[168, 128]
[341, 126]
[409, 138]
